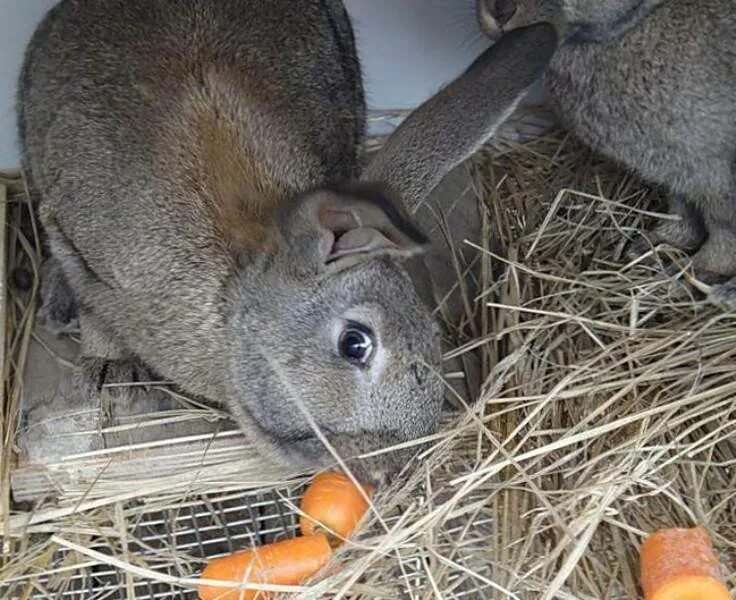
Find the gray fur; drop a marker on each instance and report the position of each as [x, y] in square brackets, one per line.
[652, 84]
[190, 158]
[58, 311]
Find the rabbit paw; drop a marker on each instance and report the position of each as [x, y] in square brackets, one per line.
[58, 312]
[725, 294]
[687, 235]
[714, 261]
[98, 394]
[124, 387]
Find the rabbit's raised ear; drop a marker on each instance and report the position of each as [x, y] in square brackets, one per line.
[336, 227]
[457, 121]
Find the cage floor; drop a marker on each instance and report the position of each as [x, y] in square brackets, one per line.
[607, 412]
[176, 541]
[198, 529]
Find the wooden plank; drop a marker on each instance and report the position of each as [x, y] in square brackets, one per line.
[189, 453]
[76, 450]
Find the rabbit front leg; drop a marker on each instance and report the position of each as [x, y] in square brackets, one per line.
[75, 419]
[91, 400]
[108, 372]
[122, 387]
[95, 342]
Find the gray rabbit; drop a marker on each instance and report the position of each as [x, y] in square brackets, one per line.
[652, 84]
[199, 171]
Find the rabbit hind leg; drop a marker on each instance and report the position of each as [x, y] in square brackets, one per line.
[725, 293]
[58, 311]
[686, 233]
[715, 262]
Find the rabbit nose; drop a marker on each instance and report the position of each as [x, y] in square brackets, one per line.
[502, 10]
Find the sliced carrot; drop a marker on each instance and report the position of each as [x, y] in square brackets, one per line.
[333, 504]
[680, 564]
[290, 562]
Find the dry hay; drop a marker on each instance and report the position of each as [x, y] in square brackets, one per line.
[608, 411]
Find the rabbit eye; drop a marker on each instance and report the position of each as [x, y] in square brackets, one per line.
[357, 344]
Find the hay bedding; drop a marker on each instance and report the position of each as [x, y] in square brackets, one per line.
[608, 411]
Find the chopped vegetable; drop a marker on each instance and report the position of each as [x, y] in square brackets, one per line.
[334, 505]
[290, 562]
[680, 564]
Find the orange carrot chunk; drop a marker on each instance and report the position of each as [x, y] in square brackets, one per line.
[334, 505]
[680, 564]
[290, 562]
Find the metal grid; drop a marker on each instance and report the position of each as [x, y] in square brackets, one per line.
[204, 528]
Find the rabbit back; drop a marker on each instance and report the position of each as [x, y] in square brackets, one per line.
[132, 72]
[163, 135]
[661, 98]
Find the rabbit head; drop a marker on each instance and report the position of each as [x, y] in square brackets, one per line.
[330, 321]
[334, 323]
[579, 19]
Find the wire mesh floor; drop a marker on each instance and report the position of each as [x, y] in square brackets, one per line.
[178, 540]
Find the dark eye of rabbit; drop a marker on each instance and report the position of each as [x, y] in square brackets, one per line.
[357, 344]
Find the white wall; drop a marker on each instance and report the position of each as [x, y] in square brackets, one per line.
[17, 21]
[409, 49]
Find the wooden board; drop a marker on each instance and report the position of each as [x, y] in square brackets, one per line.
[75, 451]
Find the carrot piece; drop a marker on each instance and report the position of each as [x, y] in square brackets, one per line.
[333, 504]
[680, 564]
[290, 562]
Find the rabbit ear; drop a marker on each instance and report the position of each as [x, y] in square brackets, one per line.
[337, 227]
[452, 125]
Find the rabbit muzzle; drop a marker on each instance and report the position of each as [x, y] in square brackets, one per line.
[372, 458]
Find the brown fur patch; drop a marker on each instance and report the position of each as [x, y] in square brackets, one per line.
[239, 194]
